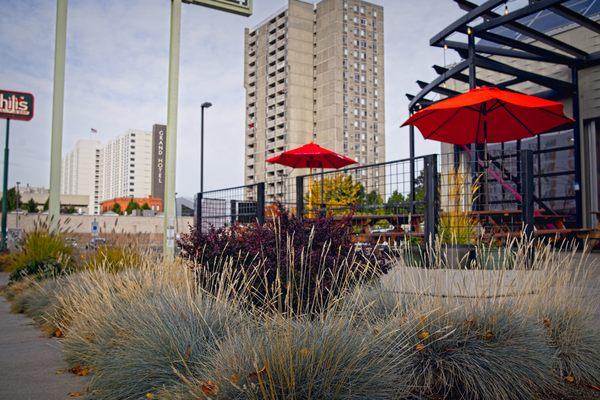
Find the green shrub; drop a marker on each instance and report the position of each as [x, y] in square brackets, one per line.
[39, 269]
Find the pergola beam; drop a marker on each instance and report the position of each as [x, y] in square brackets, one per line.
[462, 77]
[531, 8]
[497, 51]
[549, 55]
[571, 15]
[440, 90]
[527, 31]
[458, 68]
[474, 13]
[591, 61]
[551, 83]
[424, 102]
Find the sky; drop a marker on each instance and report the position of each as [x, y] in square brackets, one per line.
[117, 70]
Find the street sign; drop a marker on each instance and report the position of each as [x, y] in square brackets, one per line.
[241, 7]
[16, 105]
[95, 228]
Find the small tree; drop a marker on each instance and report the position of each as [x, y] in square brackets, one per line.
[116, 208]
[12, 199]
[31, 206]
[340, 194]
[397, 203]
[132, 206]
[47, 204]
[145, 206]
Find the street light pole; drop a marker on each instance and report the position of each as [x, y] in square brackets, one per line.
[199, 197]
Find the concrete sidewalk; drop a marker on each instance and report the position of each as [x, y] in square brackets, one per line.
[29, 362]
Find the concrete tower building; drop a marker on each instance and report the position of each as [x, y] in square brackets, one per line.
[125, 166]
[79, 175]
[314, 72]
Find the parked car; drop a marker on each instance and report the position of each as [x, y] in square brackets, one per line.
[96, 242]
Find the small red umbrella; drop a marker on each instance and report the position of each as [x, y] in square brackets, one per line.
[488, 115]
[312, 155]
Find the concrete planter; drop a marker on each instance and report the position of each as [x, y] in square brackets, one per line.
[461, 282]
[458, 256]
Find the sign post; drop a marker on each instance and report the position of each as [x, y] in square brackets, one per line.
[242, 7]
[19, 106]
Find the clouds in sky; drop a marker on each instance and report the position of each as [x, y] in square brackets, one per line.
[116, 77]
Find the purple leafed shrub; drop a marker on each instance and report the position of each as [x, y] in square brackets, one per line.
[312, 256]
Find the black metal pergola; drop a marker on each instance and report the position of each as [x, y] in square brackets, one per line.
[490, 31]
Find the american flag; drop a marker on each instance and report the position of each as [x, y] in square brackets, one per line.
[94, 130]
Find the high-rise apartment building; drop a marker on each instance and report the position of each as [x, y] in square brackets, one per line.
[314, 72]
[120, 168]
[125, 166]
[78, 169]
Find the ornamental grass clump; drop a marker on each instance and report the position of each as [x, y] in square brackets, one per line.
[304, 358]
[43, 254]
[567, 307]
[112, 258]
[490, 353]
[154, 342]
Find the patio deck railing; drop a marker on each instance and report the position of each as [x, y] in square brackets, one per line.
[455, 196]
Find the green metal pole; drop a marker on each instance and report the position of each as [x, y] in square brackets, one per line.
[57, 113]
[171, 140]
[3, 245]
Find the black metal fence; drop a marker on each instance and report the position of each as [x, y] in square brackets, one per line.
[225, 207]
[455, 196]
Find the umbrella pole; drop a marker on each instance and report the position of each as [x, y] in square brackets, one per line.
[309, 186]
[486, 161]
[322, 192]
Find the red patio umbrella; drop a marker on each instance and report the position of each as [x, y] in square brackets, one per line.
[488, 115]
[312, 155]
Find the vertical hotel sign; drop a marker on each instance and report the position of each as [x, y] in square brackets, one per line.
[16, 105]
[158, 161]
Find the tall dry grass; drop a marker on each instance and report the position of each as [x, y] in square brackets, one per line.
[518, 329]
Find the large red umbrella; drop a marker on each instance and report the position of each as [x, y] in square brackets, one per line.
[312, 155]
[488, 115]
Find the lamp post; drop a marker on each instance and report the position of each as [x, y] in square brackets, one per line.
[204, 105]
[18, 203]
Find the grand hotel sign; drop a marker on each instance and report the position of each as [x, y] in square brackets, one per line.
[158, 161]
